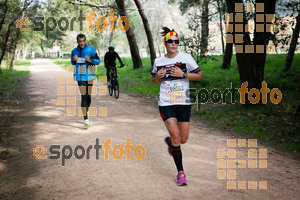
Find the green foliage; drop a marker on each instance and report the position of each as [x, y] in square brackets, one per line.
[191, 44]
[13, 8]
[184, 5]
[139, 30]
[171, 1]
[133, 16]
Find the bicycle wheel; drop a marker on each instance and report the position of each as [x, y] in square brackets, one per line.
[116, 89]
[110, 88]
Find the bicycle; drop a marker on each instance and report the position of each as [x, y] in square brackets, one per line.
[114, 86]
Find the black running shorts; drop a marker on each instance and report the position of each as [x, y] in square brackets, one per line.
[181, 112]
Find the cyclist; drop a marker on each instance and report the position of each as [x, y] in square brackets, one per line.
[84, 58]
[110, 61]
[173, 71]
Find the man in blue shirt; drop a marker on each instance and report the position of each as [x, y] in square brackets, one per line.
[85, 58]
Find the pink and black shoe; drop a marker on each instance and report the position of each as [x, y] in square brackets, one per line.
[181, 181]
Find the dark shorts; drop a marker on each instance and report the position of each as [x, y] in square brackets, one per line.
[181, 112]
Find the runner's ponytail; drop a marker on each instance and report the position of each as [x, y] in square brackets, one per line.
[166, 30]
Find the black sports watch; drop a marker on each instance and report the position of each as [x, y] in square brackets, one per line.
[184, 74]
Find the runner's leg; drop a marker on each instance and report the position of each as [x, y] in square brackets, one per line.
[107, 74]
[183, 114]
[184, 131]
[174, 132]
[89, 97]
[85, 98]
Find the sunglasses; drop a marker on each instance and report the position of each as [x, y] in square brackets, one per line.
[171, 41]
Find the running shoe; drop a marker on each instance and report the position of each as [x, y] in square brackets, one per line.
[168, 142]
[87, 123]
[181, 179]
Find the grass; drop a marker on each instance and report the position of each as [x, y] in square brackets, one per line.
[276, 123]
[9, 84]
[10, 80]
[22, 63]
[64, 63]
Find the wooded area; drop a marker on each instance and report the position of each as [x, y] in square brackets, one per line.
[142, 36]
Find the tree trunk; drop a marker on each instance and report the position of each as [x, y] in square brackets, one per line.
[18, 54]
[204, 28]
[15, 48]
[3, 14]
[228, 48]
[3, 50]
[14, 52]
[227, 56]
[147, 30]
[262, 38]
[251, 65]
[111, 36]
[134, 49]
[159, 53]
[25, 51]
[99, 43]
[13, 59]
[221, 25]
[290, 56]
[198, 52]
[41, 45]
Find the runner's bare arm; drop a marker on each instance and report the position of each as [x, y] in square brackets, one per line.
[194, 76]
[177, 72]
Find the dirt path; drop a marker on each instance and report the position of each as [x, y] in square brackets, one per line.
[39, 121]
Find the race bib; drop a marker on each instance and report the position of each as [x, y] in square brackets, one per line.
[81, 60]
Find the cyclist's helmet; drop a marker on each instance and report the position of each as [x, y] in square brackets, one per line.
[111, 47]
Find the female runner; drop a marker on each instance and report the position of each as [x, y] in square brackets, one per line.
[173, 71]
